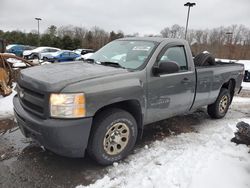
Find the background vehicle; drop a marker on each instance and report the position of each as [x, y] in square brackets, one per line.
[247, 69]
[60, 56]
[83, 51]
[247, 76]
[18, 49]
[102, 105]
[84, 57]
[36, 53]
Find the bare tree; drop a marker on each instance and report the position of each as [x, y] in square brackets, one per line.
[66, 31]
[166, 33]
[80, 33]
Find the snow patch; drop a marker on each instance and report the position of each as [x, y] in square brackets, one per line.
[6, 106]
[246, 85]
[241, 100]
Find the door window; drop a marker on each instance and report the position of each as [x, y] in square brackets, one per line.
[65, 54]
[53, 50]
[72, 54]
[45, 50]
[176, 54]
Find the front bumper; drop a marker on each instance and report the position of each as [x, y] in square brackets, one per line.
[67, 137]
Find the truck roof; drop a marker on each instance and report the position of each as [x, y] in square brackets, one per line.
[153, 39]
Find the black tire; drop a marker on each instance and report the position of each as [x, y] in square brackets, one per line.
[220, 107]
[204, 59]
[35, 57]
[45, 59]
[102, 133]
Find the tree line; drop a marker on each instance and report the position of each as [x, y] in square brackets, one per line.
[64, 37]
[231, 42]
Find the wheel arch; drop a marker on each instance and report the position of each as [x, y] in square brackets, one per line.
[131, 106]
[230, 85]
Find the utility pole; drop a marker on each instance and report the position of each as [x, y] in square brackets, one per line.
[188, 4]
[229, 43]
[38, 32]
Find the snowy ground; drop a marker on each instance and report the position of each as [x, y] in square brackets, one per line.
[6, 107]
[202, 159]
[246, 85]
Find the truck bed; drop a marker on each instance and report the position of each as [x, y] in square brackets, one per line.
[209, 80]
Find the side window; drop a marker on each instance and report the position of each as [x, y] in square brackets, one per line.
[53, 50]
[18, 48]
[72, 54]
[65, 54]
[45, 50]
[176, 54]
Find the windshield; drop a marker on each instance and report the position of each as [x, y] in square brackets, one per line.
[58, 52]
[128, 54]
[10, 46]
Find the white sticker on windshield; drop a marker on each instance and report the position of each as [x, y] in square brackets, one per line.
[142, 48]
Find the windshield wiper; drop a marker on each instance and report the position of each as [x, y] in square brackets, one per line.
[111, 64]
[106, 63]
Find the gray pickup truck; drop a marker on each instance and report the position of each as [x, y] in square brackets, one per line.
[102, 104]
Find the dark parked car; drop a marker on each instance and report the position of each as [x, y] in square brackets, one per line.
[247, 76]
[102, 105]
[18, 49]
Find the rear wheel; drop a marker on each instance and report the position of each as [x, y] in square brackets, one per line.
[113, 136]
[220, 107]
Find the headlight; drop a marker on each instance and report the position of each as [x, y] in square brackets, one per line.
[67, 105]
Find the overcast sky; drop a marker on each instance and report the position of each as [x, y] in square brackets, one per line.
[130, 16]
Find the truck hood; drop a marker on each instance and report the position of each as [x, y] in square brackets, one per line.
[54, 77]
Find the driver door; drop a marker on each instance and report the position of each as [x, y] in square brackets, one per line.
[170, 94]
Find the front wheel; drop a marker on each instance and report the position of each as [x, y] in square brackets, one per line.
[45, 59]
[220, 107]
[35, 57]
[113, 136]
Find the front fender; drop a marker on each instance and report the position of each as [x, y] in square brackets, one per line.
[114, 93]
[101, 92]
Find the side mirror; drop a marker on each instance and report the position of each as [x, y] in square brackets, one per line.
[166, 67]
